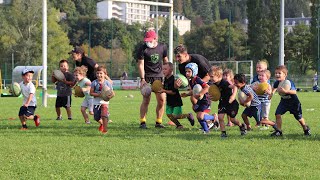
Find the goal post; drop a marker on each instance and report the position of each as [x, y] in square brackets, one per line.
[245, 67]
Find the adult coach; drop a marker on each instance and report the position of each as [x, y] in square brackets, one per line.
[81, 59]
[150, 57]
[183, 58]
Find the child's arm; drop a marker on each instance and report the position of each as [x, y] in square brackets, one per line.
[92, 93]
[234, 93]
[189, 93]
[249, 98]
[53, 79]
[170, 92]
[28, 100]
[272, 92]
[281, 90]
[69, 83]
[268, 91]
[202, 92]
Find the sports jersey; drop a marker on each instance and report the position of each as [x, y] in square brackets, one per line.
[26, 90]
[172, 100]
[64, 89]
[202, 62]
[97, 87]
[255, 101]
[153, 58]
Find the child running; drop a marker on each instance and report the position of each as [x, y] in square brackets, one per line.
[227, 103]
[101, 107]
[64, 90]
[228, 76]
[202, 107]
[254, 109]
[29, 100]
[289, 102]
[85, 84]
[174, 101]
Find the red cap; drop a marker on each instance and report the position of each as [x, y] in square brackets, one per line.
[150, 35]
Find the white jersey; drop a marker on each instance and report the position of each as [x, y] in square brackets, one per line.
[26, 90]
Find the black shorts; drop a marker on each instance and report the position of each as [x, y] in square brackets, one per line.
[63, 101]
[294, 107]
[27, 111]
[229, 109]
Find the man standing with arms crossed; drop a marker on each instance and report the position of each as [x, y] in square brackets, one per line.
[151, 55]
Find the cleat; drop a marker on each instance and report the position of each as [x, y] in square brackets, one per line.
[59, 118]
[159, 126]
[276, 133]
[191, 119]
[69, 118]
[179, 127]
[36, 120]
[307, 132]
[210, 124]
[104, 131]
[143, 126]
[223, 135]
[101, 128]
[243, 130]
[87, 122]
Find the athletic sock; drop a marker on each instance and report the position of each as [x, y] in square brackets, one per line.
[204, 125]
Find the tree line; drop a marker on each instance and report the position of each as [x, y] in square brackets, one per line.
[221, 30]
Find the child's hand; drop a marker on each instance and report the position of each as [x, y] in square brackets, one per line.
[161, 90]
[184, 95]
[281, 90]
[231, 99]
[178, 83]
[268, 91]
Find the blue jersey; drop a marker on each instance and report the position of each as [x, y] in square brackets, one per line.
[205, 102]
[248, 90]
[288, 97]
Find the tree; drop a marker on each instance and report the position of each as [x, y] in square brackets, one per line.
[22, 34]
[211, 41]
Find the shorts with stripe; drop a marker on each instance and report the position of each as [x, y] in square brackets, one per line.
[63, 101]
[152, 79]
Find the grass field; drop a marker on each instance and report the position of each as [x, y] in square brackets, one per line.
[75, 150]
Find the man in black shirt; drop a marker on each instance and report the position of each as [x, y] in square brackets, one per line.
[151, 55]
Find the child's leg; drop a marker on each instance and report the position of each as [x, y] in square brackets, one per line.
[229, 121]
[202, 122]
[174, 119]
[221, 122]
[105, 124]
[58, 111]
[279, 122]
[303, 124]
[246, 120]
[105, 117]
[84, 114]
[69, 112]
[235, 121]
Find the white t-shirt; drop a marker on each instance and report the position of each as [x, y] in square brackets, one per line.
[28, 89]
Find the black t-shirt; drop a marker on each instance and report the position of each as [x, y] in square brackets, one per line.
[226, 92]
[172, 100]
[153, 58]
[90, 64]
[202, 62]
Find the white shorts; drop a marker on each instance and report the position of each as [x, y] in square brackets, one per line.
[265, 109]
[88, 103]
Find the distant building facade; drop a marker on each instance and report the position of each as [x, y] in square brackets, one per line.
[140, 13]
[289, 23]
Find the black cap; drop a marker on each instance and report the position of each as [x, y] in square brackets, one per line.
[77, 50]
[25, 71]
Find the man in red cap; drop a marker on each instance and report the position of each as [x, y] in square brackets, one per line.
[151, 55]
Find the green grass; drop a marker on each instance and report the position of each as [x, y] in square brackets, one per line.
[74, 150]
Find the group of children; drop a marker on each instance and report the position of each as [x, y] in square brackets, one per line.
[256, 106]
[92, 93]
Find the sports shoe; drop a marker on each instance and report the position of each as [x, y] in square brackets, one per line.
[210, 124]
[101, 128]
[205, 132]
[87, 122]
[216, 125]
[191, 119]
[36, 120]
[23, 129]
[143, 126]
[223, 135]
[59, 118]
[171, 123]
[104, 131]
[243, 130]
[276, 133]
[69, 118]
[179, 127]
[159, 126]
[307, 132]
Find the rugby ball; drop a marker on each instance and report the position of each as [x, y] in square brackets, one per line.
[261, 88]
[15, 89]
[145, 90]
[184, 80]
[286, 84]
[105, 92]
[197, 89]
[58, 75]
[214, 92]
[156, 86]
[78, 91]
[242, 97]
